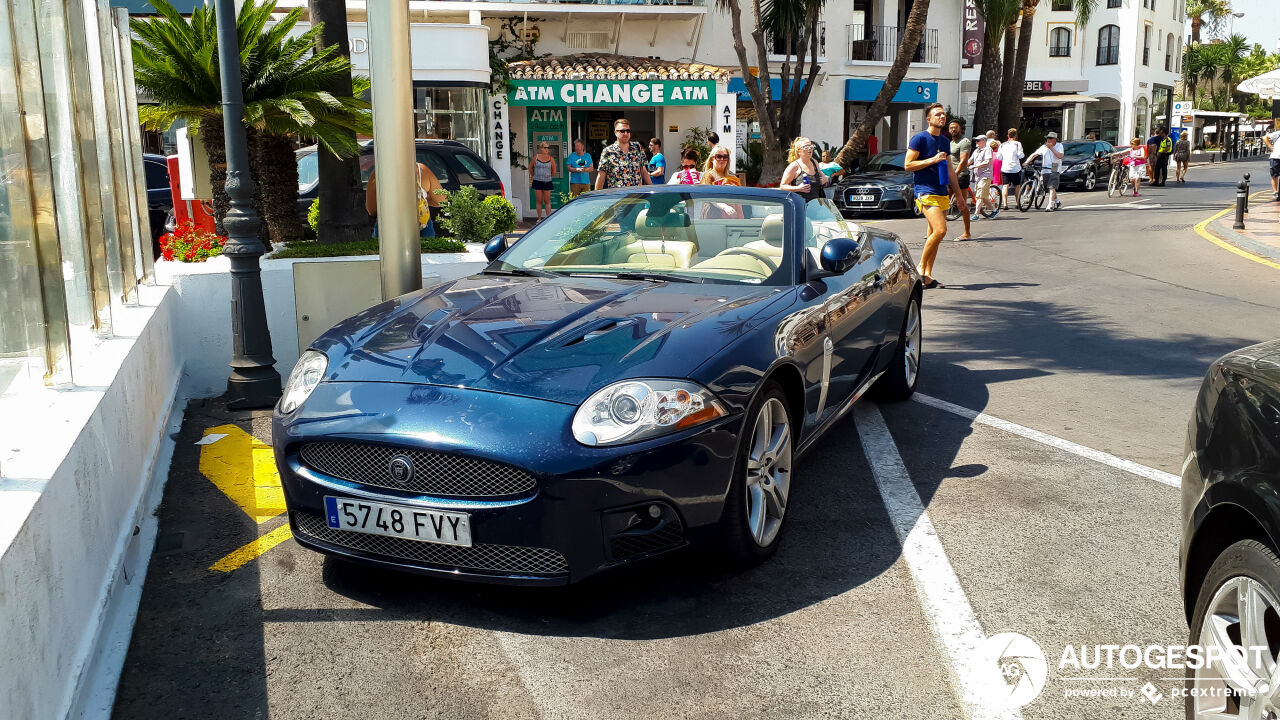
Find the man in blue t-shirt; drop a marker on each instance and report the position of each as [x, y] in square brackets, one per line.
[935, 179]
[657, 163]
[580, 167]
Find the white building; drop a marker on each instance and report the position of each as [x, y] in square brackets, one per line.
[1126, 61]
[635, 50]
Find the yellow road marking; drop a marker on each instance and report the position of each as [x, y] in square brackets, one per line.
[1202, 230]
[250, 552]
[245, 470]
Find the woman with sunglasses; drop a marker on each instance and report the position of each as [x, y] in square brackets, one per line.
[541, 173]
[802, 175]
[717, 169]
[688, 174]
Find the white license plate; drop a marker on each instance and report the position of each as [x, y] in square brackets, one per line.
[410, 523]
[862, 198]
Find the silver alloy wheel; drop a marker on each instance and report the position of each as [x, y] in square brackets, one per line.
[768, 472]
[911, 336]
[1090, 179]
[1245, 683]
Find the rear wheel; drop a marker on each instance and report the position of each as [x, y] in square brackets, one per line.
[1040, 192]
[1126, 185]
[756, 506]
[993, 202]
[899, 381]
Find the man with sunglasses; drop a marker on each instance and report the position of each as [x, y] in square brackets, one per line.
[619, 167]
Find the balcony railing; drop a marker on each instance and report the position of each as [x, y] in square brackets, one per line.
[879, 43]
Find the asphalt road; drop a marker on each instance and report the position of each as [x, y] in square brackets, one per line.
[1091, 326]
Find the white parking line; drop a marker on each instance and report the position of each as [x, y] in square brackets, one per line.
[1150, 473]
[950, 616]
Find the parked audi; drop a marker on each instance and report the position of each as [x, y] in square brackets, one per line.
[637, 373]
[880, 186]
[1230, 552]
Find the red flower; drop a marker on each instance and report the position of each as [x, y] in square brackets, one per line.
[168, 253]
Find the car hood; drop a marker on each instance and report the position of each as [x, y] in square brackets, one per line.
[1261, 362]
[555, 339]
[879, 177]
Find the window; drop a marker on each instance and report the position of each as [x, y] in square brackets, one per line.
[435, 164]
[1060, 42]
[1146, 45]
[1113, 3]
[1109, 45]
[1063, 5]
[1168, 53]
[157, 175]
[472, 166]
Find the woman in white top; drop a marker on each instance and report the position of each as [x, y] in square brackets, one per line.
[1011, 155]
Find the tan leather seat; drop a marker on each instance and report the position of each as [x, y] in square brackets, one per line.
[770, 242]
[660, 245]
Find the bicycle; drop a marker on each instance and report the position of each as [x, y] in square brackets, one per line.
[953, 212]
[1032, 192]
[1119, 181]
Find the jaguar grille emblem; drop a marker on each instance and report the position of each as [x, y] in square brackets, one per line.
[401, 469]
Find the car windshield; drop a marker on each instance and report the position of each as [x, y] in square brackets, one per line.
[887, 161]
[681, 236]
[308, 169]
[1078, 150]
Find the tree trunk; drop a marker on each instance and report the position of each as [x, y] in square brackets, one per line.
[1010, 53]
[257, 170]
[1011, 102]
[275, 173]
[342, 214]
[214, 140]
[906, 53]
[987, 108]
[758, 88]
[1195, 28]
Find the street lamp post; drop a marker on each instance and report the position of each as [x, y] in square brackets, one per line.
[254, 382]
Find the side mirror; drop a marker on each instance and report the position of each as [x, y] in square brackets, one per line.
[838, 256]
[496, 246]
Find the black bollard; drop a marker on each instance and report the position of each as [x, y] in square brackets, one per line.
[1246, 193]
[1242, 196]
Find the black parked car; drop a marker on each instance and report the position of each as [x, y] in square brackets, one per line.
[159, 197]
[1086, 164]
[880, 186]
[1230, 555]
[452, 162]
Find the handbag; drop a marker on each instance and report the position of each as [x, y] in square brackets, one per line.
[424, 207]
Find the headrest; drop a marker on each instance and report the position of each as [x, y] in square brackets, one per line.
[771, 230]
[671, 226]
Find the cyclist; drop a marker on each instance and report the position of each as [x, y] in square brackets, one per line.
[1050, 154]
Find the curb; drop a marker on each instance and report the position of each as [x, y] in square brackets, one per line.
[1219, 232]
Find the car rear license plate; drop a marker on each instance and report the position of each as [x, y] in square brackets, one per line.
[401, 521]
[862, 198]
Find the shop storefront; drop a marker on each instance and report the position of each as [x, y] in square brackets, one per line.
[1057, 106]
[452, 111]
[559, 100]
[903, 118]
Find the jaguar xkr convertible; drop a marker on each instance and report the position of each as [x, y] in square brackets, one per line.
[637, 373]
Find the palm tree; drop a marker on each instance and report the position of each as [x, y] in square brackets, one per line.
[175, 60]
[997, 16]
[1012, 91]
[911, 35]
[1193, 68]
[1232, 53]
[1198, 10]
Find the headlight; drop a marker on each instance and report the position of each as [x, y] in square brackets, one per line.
[894, 188]
[635, 410]
[1073, 169]
[304, 378]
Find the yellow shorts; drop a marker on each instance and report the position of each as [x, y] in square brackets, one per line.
[938, 201]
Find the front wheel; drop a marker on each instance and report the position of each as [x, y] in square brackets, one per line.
[899, 381]
[1041, 192]
[1236, 623]
[1025, 192]
[1113, 185]
[756, 505]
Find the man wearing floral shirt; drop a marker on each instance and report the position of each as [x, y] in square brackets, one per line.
[619, 168]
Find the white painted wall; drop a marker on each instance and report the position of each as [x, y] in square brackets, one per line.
[83, 469]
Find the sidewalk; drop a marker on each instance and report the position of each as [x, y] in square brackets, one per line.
[1261, 233]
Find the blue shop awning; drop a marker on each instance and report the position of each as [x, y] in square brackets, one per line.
[736, 85]
[865, 90]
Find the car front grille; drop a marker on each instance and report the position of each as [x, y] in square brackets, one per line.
[869, 190]
[433, 473]
[633, 545]
[504, 559]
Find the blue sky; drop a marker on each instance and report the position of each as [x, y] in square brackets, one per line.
[1261, 21]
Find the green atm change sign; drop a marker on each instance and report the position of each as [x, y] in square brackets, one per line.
[611, 93]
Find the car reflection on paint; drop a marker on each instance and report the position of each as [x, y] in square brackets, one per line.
[635, 374]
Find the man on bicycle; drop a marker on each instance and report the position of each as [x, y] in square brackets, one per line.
[1050, 154]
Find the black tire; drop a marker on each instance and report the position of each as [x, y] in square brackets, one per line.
[737, 543]
[898, 383]
[1041, 193]
[1023, 199]
[1246, 558]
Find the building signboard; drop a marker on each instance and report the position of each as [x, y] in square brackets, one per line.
[611, 93]
[1045, 86]
[973, 36]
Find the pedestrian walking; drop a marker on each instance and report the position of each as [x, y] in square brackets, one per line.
[622, 164]
[1153, 144]
[580, 166]
[1182, 156]
[688, 174]
[542, 171]
[961, 148]
[996, 178]
[982, 165]
[657, 163]
[713, 139]
[1136, 158]
[430, 195]
[928, 158]
[829, 167]
[1164, 150]
[1272, 139]
[1011, 155]
[802, 175]
[1050, 154]
[717, 170]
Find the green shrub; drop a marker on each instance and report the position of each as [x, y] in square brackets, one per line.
[470, 219]
[313, 216]
[311, 248]
[503, 214]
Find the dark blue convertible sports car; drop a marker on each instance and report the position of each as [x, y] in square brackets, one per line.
[638, 372]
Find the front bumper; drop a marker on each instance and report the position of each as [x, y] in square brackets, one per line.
[590, 509]
[883, 199]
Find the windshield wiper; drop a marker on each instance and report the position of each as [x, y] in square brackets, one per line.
[523, 272]
[659, 277]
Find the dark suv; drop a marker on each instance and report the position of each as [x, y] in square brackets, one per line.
[452, 162]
